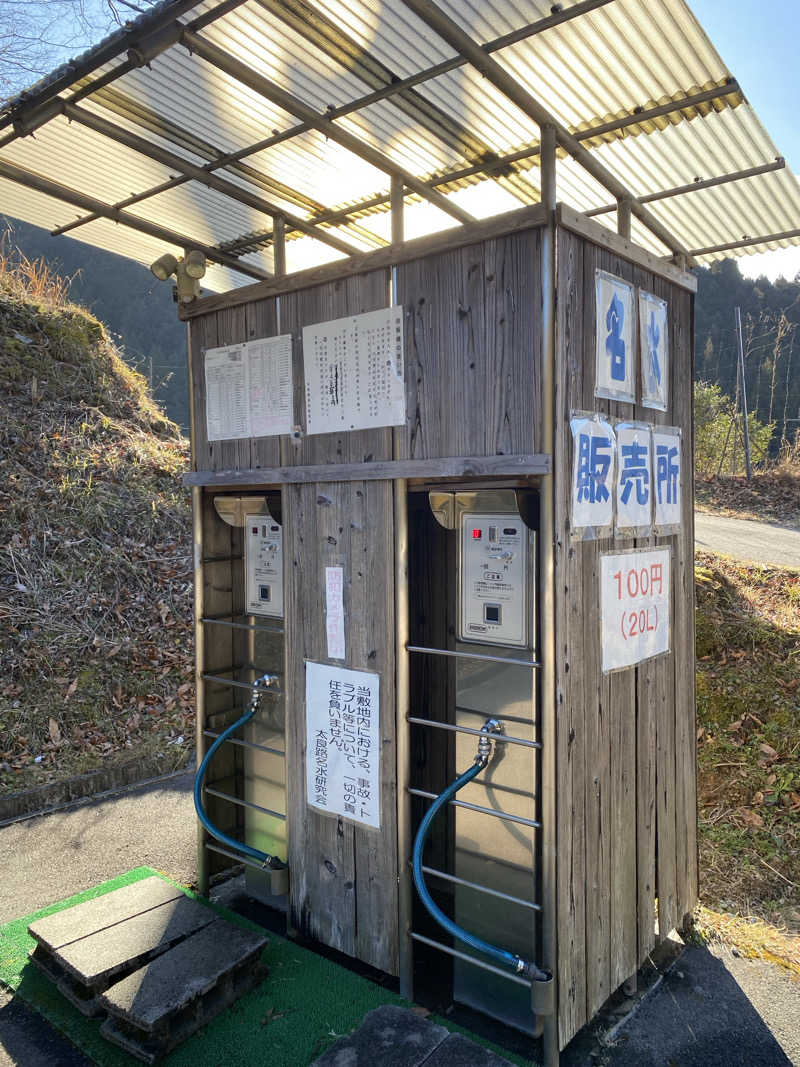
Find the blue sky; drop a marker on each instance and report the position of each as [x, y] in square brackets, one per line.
[758, 41]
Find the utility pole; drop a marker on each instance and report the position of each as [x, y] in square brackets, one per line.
[748, 467]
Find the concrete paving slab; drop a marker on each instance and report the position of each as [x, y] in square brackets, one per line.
[152, 995]
[389, 1036]
[398, 1037]
[97, 960]
[160, 1005]
[56, 931]
[458, 1051]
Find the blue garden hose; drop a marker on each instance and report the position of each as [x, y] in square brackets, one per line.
[501, 955]
[267, 681]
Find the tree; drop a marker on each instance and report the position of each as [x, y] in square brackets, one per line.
[38, 35]
[718, 436]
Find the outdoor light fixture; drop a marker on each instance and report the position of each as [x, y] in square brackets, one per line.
[187, 273]
[195, 263]
[164, 266]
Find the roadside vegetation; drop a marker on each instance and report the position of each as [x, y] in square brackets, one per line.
[95, 578]
[748, 751]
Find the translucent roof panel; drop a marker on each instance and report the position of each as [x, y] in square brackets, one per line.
[307, 110]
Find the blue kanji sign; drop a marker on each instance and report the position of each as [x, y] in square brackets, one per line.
[594, 448]
[653, 338]
[615, 350]
[634, 479]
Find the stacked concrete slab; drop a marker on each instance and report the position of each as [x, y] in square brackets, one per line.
[156, 962]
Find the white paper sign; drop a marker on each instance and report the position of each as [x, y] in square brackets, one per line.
[615, 352]
[249, 389]
[634, 606]
[667, 476]
[334, 611]
[653, 345]
[634, 516]
[227, 412]
[354, 372]
[270, 386]
[343, 742]
[593, 448]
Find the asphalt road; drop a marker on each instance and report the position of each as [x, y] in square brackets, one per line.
[745, 539]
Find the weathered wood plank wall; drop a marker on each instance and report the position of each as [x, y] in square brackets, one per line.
[626, 765]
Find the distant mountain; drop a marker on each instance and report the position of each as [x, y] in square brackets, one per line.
[137, 309]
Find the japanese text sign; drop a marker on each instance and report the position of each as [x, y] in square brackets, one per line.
[667, 476]
[615, 351]
[249, 389]
[343, 742]
[593, 451]
[634, 479]
[634, 606]
[655, 353]
[354, 372]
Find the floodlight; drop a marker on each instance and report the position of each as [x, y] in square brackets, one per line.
[195, 263]
[164, 266]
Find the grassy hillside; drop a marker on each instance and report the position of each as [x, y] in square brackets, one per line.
[748, 717]
[95, 578]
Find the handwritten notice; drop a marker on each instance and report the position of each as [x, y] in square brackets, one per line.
[343, 742]
[653, 338]
[593, 455]
[634, 516]
[615, 351]
[334, 611]
[354, 372]
[634, 606]
[249, 389]
[667, 478]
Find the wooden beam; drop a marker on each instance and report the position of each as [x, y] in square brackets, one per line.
[170, 159]
[44, 185]
[525, 218]
[245, 74]
[507, 84]
[380, 470]
[621, 246]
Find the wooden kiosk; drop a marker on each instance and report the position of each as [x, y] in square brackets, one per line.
[499, 351]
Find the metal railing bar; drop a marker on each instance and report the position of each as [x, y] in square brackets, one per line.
[240, 685]
[244, 803]
[244, 625]
[469, 959]
[482, 889]
[234, 856]
[506, 718]
[246, 744]
[477, 807]
[476, 733]
[472, 655]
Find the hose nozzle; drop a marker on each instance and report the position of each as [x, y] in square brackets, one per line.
[491, 726]
[260, 686]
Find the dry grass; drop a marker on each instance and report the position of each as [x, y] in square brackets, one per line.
[95, 571]
[748, 715]
[773, 494]
[751, 937]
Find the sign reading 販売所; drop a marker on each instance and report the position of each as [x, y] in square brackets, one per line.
[634, 606]
[667, 478]
[634, 516]
[343, 742]
[615, 351]
[593, 451]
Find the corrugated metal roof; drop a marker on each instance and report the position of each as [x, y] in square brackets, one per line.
[620, 59]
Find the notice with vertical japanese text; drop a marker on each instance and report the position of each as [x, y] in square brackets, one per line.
[343, 742]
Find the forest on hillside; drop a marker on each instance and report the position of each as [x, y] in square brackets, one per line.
[139, 312]
[770, 318]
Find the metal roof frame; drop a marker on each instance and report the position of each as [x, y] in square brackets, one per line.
[161, 29]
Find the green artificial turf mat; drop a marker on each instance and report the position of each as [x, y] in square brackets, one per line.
[300, 1008]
